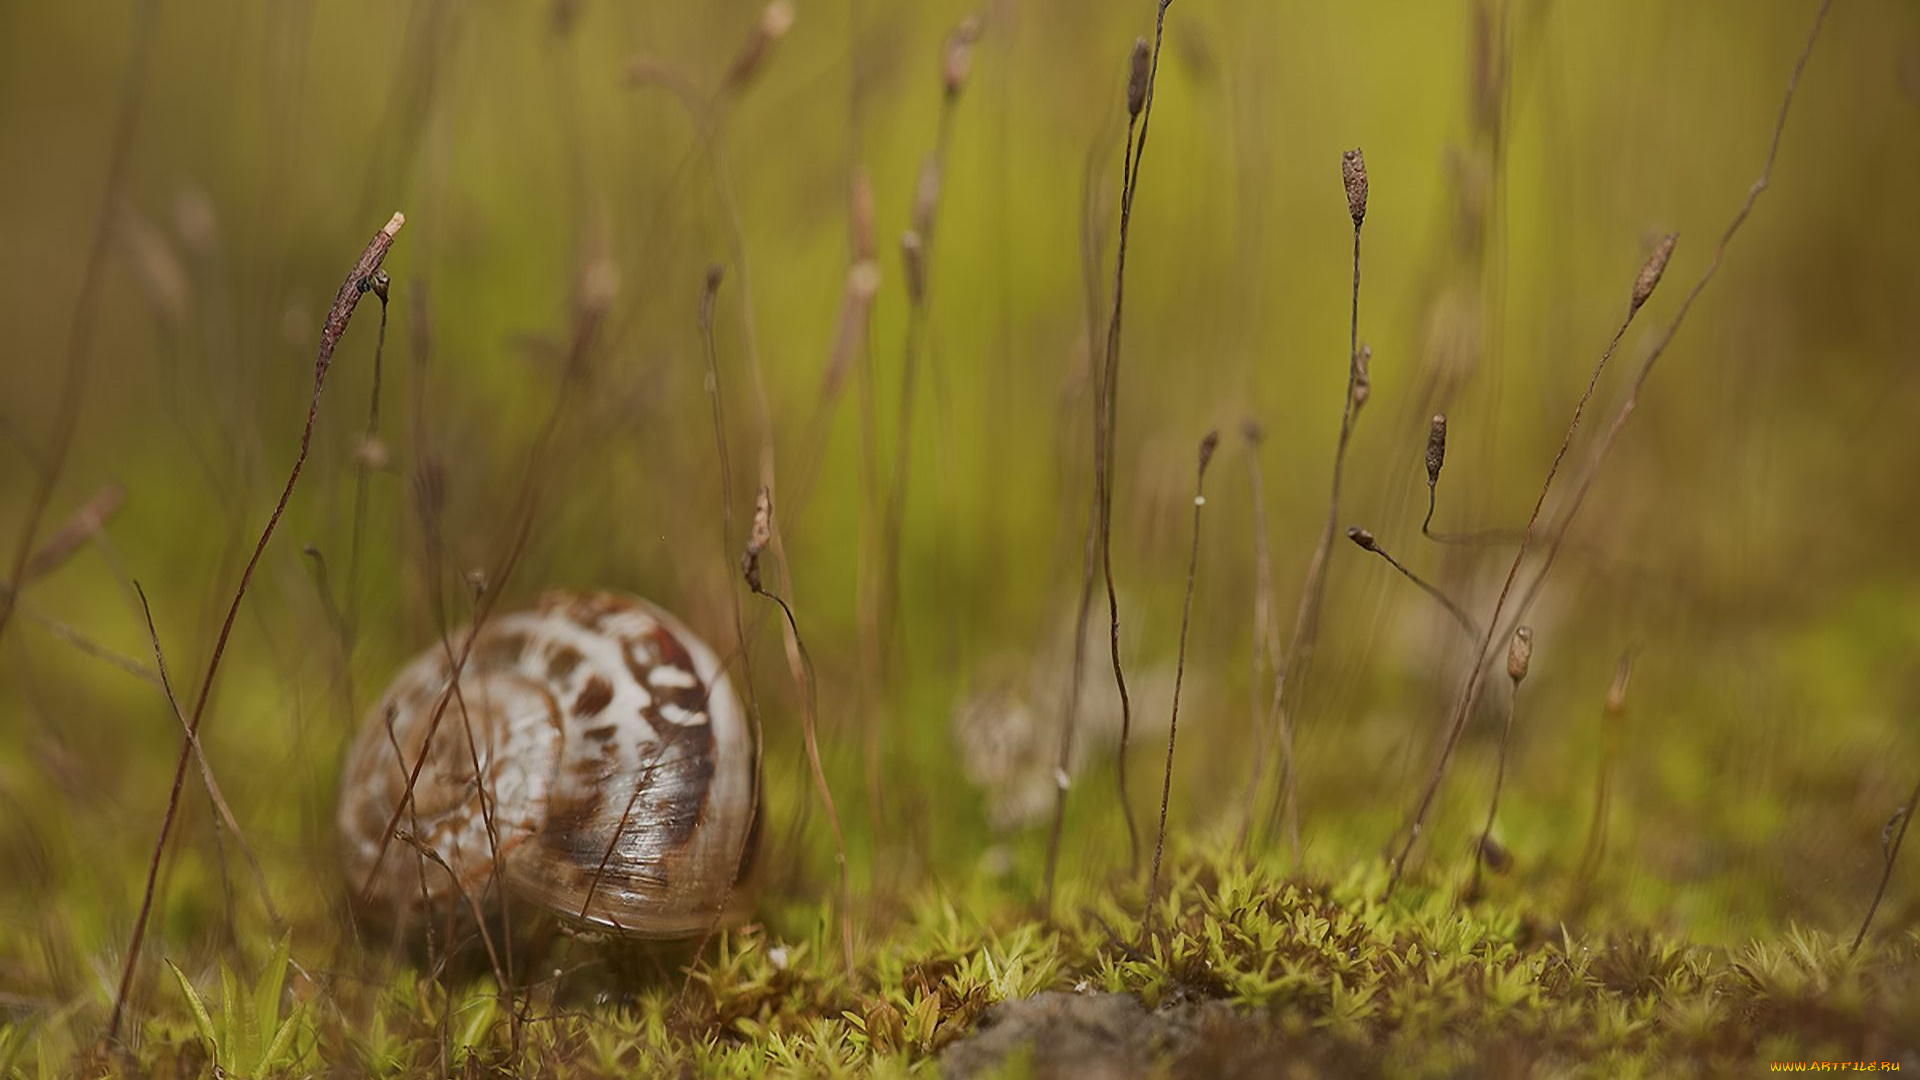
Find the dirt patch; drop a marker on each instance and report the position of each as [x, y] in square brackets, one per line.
[1112, 1037]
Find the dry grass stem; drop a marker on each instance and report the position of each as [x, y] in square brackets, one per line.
[358, 281]
[1207, 446]
[1365, 541]
[1143, 63]
[1613, 714]
[1306, 623]
[1643, 284]
[916, 256]
[79, 352]
[758, 542]
[214, 794]
[1891, 838]
[80, 527]
[1266, 643]
[1488, 854]
[1139, 104]
[370, 456]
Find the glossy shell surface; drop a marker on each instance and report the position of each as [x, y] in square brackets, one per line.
[593, 761]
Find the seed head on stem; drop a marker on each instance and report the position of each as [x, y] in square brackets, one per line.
[1436, 448]
[1139, 69]
[1520, 654]
[1656, 265]
[1353, 171]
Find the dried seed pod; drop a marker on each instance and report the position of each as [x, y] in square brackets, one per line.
[1891, 831]
[615, 782]
[759, 538]
[1207, 446]
[1617, 693]
[599, 285]
[913, 260]
[1520, 654]
[863, 281]
[1656, 265]
[959, 59]
[1362, 539]
[774, 22]
[372, 453]
[1353, 173]
[1495, 855]
[1436, 448]
[1139, 70]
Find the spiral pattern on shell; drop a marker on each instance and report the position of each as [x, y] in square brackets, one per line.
[593, 760]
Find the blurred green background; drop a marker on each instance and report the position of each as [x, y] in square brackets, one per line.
[1751, 538]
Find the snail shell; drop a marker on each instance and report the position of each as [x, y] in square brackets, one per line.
[617, 765]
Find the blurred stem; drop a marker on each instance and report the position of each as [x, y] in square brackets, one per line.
[79, 354]
[1886, 871]
[1306, 625]
[362, 467]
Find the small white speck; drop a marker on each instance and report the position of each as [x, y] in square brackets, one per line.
[669, 675]
[1199, 500]
[1061, 778]
[777, 956]
[682, 717]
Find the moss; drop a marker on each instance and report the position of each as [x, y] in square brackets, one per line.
[1320, 971]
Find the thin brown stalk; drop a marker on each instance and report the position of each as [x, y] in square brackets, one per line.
[79, 353]
[369, 455]
[762, 537]
[1083, 610]
[1142, 64]
[1365, 541]
[342, 634]
[708, 299]
[1266, 642]
[81, 526]
[1470, 693]
[488, 799]
[214, 794]
[1610, 720]
[1207, 447]
[1891, 853]
[597, 287]
[357, 282]
[428, 852]
[917, 257]
[1643, 287]
[420, 861]
[709, 116]
[1519, 656]
[1306, 620]
[596, 297]
[1110, 385]
[709, 296]
[86, 645]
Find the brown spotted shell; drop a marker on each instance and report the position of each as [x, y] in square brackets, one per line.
[615, 764]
